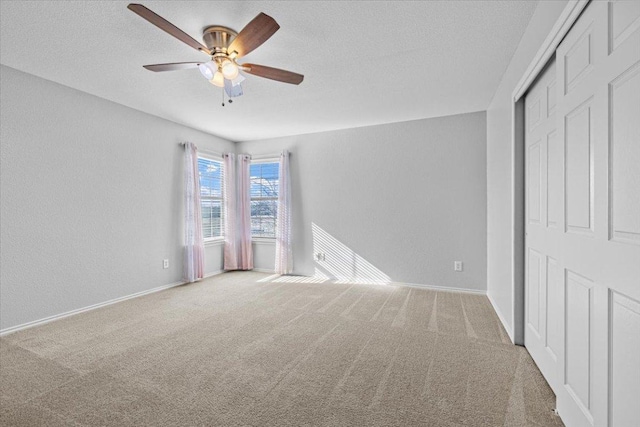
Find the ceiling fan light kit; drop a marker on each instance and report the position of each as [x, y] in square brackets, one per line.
[229, 69]
[223, 46]
[217, 80]
[208, 69]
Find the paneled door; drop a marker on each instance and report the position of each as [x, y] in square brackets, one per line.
[582, 300]
[543, 181]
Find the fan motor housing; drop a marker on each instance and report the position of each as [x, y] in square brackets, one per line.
[218, 38]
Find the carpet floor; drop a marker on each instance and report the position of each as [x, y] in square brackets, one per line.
[249, 349]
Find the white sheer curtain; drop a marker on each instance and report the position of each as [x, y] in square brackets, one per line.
[238, 253]
[230, 213]
[194, 244]
[245, 251]
[284, 257]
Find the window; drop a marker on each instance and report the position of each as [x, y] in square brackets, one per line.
[211, 180]
[264, 198]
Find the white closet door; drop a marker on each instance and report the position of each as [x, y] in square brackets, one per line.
[583, 254]
[543, 182]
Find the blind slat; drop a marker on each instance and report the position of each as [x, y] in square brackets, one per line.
[211, 184]
[264, 198]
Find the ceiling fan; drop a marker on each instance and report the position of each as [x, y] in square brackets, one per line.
[224, 47]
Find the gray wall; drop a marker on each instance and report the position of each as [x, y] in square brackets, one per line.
[91, 201]
[500, 197]
[397, 202]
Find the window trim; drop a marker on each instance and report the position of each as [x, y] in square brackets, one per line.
[213, 157]
[263, 240]
[265, 159]
[257, 160]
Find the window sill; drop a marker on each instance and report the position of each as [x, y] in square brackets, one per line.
[263, 240]
[214, 242]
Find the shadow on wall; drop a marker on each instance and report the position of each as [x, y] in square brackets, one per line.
[335, 260]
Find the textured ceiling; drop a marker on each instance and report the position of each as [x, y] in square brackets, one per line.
[365, 63]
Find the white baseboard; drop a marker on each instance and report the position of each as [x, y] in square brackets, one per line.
[442, 288]
[263, 270]
[213, 273]
[94, 306]
[501, 317]
[413, 285]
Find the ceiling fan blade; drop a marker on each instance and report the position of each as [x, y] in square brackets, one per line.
[254, 34]
[273, 73]
[172, 66]
[167, 26]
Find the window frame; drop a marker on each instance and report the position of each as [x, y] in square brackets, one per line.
[269, 159]
[214, 158]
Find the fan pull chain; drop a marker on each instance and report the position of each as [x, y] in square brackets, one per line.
[230, 100]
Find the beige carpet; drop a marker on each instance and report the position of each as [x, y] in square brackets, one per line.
[240, 349]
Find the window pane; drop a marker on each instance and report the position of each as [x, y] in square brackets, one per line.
[264, 180]
[264, 208]
[210, 177]
[210, 186]
[211, 218]
[264, 184]
[265, 227]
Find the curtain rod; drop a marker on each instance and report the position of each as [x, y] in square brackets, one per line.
[205, 151]
[268, 156]
[258, 157]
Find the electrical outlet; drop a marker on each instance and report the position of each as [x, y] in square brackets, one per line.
[165, 263]
[320, 256]
[457, 265]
